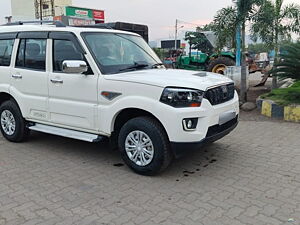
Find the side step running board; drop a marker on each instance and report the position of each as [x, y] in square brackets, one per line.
[66, 133]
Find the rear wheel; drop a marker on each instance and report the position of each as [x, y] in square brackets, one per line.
[219, 65]
[12, 124]
[144, 146]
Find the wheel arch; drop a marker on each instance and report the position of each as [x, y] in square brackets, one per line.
[129, 113]
[5, 97]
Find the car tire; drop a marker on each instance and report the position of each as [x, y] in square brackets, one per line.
[152, 153]
[12, 124]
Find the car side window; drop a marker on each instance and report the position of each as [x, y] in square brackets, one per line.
[6, 48]
[64, 50]
[32, 54]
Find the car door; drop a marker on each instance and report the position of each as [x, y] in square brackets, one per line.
[72, 97]
[6, 49]
[29, 77]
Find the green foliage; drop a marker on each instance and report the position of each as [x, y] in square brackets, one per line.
[198, 41]
[272, 20]
[289, 64]
[224, 26]
[285, 96]
[206, 27]
[258, 48]
[245, 9]
[226, 21]
[161, 53]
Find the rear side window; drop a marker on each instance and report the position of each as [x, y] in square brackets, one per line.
[6, 47]
[64, 50]
[32, 54]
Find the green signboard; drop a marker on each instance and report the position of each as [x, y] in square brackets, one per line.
[79, 12]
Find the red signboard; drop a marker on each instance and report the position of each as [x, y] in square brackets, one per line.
[98, 14]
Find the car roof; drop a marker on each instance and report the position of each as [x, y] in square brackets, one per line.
[76, 30]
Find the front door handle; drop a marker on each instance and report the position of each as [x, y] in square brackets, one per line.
[17, 76]
[57, 81]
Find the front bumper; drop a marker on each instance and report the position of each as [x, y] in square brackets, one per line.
[208, 115]
[214, 133]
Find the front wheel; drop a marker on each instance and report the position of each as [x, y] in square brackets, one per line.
[144, 146]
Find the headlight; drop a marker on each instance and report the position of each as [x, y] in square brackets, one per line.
[182, 97]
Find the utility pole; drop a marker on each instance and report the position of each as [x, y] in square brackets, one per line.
[240, 54]
[176, 29]
[238, 46]
[243, 95]
[41, 10]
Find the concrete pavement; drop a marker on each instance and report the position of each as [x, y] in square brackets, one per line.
[250, 177]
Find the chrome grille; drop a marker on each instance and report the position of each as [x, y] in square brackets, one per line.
[220, 94]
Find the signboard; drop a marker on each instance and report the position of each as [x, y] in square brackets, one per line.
[79, 12]
[80, 22]
[169, 44]
[72, 21]
[98, 14]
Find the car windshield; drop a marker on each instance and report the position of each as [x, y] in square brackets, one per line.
[116, 53]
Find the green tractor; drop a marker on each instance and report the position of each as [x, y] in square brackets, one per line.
[206, 60]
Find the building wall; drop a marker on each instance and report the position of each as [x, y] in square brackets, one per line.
[22, 10]
[5, 10]
[60, 6]
[62, 2]
[25, 9]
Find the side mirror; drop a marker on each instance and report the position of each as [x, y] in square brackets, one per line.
[74, 66]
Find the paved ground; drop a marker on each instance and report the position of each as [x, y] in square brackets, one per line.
[250, 177]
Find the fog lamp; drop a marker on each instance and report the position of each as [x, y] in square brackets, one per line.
[190, 124]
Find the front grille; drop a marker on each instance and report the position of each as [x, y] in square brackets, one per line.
[220, 94]
[216, 129]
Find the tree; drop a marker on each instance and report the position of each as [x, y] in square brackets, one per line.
[258, 48]
[224, 26]
[160, 52]
[197, 41]
[227, 20]
[206, 27]
[244, 8]
[289, 64]
[272, 22]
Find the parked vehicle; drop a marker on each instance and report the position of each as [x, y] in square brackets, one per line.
[207, 59]
[130, 27]
[88, 84]
[216, 63]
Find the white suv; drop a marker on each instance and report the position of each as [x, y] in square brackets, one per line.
[88, 83]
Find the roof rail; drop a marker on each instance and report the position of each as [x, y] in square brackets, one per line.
[52, 22]
[102, 26]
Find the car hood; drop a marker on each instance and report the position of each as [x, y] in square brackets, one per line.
[172, 78]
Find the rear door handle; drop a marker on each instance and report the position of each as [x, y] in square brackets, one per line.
[57, 81]
[17, 76]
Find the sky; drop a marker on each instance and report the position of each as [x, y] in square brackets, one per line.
[160, 15]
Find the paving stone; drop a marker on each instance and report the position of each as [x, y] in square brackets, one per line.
[252, 177]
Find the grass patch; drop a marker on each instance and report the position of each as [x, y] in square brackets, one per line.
[285, 96]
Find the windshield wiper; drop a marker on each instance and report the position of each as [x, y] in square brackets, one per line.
[135, 67]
